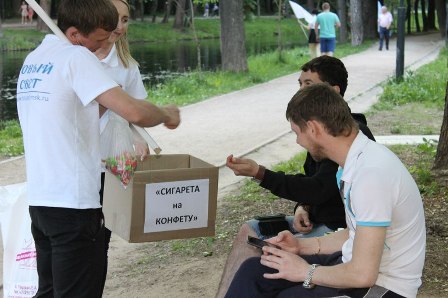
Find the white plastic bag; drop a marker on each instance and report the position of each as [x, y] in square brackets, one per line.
[117, 150]
[20, 278]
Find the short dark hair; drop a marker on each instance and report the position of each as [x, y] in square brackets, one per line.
[87, 15]
[330, 70]
[322, 103]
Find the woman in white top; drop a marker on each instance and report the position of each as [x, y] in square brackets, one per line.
[24, 12]
[121, 67]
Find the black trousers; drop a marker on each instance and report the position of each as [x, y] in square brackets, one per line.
[70, 251]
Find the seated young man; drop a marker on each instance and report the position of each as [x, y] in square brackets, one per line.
[382, 251]
[319, 207]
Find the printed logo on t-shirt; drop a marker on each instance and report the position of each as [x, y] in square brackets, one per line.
[30, 82]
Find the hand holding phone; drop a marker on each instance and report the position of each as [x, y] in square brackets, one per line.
[260, 243]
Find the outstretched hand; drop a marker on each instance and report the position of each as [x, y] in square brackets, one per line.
[173, 116]
[242, 166]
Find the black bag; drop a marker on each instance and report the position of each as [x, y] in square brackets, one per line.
[271, 225]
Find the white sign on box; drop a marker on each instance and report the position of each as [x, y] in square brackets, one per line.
[176, 205]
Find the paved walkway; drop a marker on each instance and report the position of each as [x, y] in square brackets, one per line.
[251, 122]
[241, 122]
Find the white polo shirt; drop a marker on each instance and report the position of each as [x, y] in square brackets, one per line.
[58, 114]
[379, 191]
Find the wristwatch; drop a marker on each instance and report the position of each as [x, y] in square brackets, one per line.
[307, 282]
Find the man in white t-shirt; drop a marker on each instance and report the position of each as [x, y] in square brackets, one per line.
[59, 90]
[382, 251]
[384, 22]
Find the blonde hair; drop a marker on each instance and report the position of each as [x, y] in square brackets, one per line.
[122, 46]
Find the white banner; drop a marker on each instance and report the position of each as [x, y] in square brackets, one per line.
[176, 205]
[300, 12]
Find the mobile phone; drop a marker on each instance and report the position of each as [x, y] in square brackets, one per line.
[260, 243]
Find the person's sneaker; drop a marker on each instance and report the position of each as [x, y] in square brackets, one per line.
[380, 49]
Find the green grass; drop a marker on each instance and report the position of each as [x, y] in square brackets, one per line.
[425, 86]
[20, 39]
[420, 169]
[195, 86]
[209, 28]
[11, 143]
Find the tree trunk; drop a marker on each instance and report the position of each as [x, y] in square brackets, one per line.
[310, 5]
[167, 11]
[342, 13]
[268, 6]
[431, 15]
[195, 36]
[417, 22]
[45, 4]
[408, 15]
[441, 17]
[279, 29]
[424, 17]
[440, 167]
[369, 19]
[233, 41]
[356, 24]
[180, 15]
[1, 35]
[142, 10]
[258, 8]
[153, 12]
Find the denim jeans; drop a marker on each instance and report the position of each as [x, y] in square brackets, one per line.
[70, 251]
[384, 35]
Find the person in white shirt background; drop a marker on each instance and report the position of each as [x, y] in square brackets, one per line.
[384, 21]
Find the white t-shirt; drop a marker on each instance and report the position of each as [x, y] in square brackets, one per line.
[379, 191]
[58, 114]
[129, 79]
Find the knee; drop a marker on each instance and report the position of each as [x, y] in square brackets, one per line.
[245, 231]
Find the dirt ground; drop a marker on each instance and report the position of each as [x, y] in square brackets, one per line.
[193, 267]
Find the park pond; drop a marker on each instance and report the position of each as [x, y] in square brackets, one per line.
[158, 62]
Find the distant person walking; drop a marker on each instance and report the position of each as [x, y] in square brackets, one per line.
[384, 21]
[30, 14]
[24, 12]
[215, 9]
[206, 10]
[328, 21]
[313, 41]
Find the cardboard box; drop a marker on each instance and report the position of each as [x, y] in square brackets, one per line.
[169, 197]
